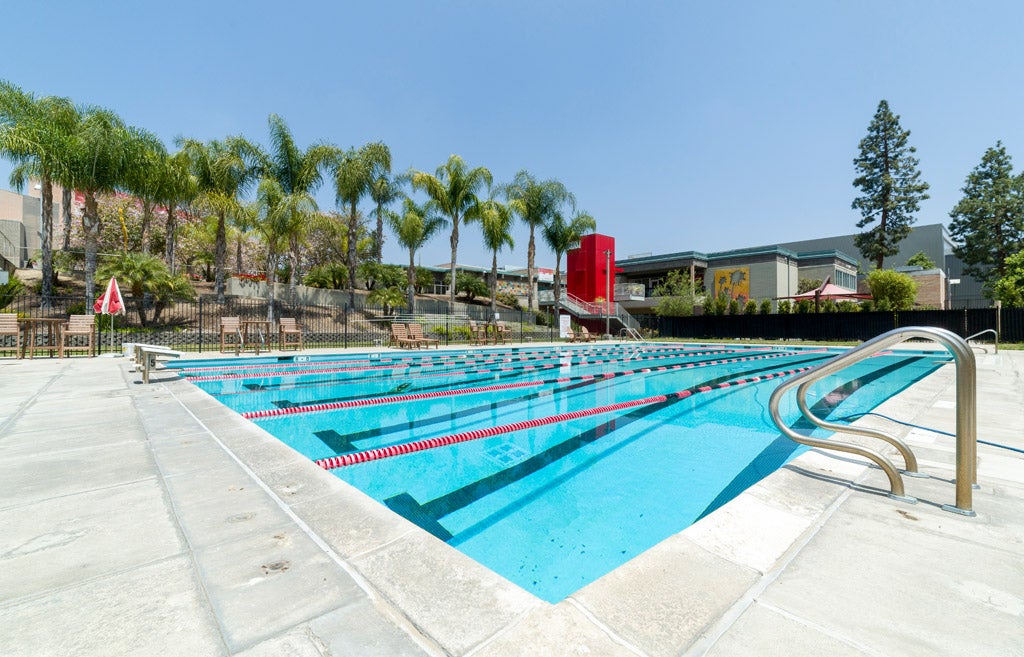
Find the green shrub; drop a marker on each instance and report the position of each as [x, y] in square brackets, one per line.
[785, 307]
[896, 289]
[9, 290]
[804, 306]
[734, 307]
[766, 307]
[829, 306]
[847, 306]
[750, 308]
[508, 299]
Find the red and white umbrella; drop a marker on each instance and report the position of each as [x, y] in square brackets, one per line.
[110, 303]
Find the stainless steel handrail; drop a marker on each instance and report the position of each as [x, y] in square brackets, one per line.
[966, 418]
[992, 331]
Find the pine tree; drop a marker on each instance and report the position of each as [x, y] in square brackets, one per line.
[989, 220]
[891, 185]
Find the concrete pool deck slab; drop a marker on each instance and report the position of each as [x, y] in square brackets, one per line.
[150, 519]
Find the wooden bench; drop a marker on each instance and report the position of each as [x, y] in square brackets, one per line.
[289, 333]
[400, 337]
[148, 355]
[78, 326]
[9, 326]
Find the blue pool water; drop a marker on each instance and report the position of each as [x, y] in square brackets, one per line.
[555, 506]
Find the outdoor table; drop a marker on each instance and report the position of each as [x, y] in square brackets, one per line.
[29, 325]
[259, 327]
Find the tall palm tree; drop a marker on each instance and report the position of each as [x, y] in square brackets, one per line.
[561, 236]
[143, 181]
[413, 226]
[222, 175]
[299, 172]
[384, 191]
[453, 188]
[355, 171]
[496, 223]
[37, 135]
[177, 189]
[536, 203]
[277, 215]
[105, 149]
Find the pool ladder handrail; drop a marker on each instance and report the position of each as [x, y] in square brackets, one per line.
[966, 413]
[992, 331]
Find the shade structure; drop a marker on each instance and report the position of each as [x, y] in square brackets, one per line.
[829, 291]
[110, 303]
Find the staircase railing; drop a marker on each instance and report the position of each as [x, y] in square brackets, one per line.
[966, 413]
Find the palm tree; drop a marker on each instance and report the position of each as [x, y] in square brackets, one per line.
[536, 203]
[384, 191]
[453, 189]
[222, 175]
[105, 149]
[143, 181]
[177, 188]
[298, 172]
[496, 223]
[37, 135]
[140, 274]
[413, 226]
[355, 173]
[561, 236]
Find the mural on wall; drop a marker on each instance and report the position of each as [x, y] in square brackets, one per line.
[735, 283]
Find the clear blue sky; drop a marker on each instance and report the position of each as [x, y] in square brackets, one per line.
[678, 125]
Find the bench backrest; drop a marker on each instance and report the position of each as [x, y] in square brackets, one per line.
[80, 324]
[8, 324]
[288, 324]
[230, 324]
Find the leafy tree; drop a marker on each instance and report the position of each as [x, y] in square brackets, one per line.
[413, 227]
[142, 274]
[1010, 287]
[223, 174]
[675, 295]
[469, 285]
[390, 298]
[37, 134]
[561, 236]
[496, 224]
[890, 184]
[989, 219]
[424, 280]
[354, 175]
[535, 202]
[299, 173]
[892, 290]
[332, 276]
[375, 275]
[453, 188]
[807, 284]
[920, 259]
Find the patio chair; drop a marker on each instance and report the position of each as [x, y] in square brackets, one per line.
[477, 333]
[400, 337]
[230, 326]
[289, 333]
[500, 333]
[570, 335]
[416, 333]
[81, 331]
[9, 326]
[585, 335]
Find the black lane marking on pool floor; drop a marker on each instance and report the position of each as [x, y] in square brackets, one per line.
[428, 514]
[489, 407]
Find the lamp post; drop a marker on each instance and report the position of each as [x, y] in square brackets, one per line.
[607, 292]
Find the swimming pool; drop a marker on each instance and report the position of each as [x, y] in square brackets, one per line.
[551, 466]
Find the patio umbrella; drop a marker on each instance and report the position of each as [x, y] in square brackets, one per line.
[110, 303]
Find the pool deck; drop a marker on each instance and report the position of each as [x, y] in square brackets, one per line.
[148, 519]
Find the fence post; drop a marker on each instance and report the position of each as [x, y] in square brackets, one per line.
[200, 324]
[345, 325]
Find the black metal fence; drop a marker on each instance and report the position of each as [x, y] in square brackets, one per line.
[837, 326]
[195, 325]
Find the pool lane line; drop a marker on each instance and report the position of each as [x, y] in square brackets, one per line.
[506, 371]
[392, 365]
[376, 401]
[382, 431]
[402, 366]
[364, 456]
[456, 357]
